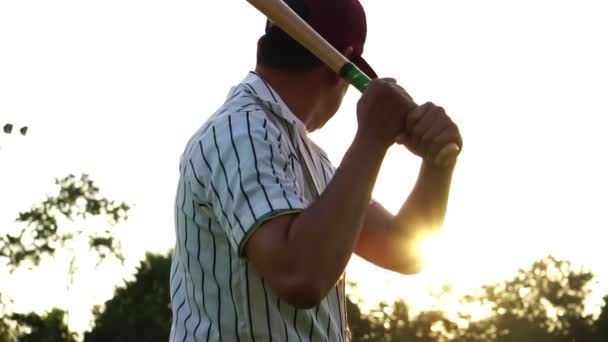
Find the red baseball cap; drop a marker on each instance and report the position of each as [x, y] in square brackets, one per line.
[341, 22]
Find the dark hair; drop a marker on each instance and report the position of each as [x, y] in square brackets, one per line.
[279, 51]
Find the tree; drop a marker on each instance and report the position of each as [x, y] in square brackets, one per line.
[58, 223]
[395, 323]
[31, 327]
[601, 324]
[543, 303]
[6, 333]
[362, 327]
[546, 302]
[42, 235]
[5, 330]
[139, 311]
[50, 327]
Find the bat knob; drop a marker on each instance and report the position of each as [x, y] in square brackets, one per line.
[447, 156]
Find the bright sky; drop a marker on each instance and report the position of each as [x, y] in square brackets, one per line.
[115, 88]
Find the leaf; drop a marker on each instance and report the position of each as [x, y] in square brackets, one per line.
[8, 128]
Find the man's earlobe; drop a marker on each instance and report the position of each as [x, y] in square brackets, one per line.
[348, 52]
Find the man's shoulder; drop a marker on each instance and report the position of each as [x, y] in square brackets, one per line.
[240, 114]
[239, 101]
[235, 104]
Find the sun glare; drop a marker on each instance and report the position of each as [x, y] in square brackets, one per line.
[429, 248]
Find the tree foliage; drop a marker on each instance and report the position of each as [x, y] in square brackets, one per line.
[528, 307]
[544, 302]
[140, 310]
[32, 327]
[77, 200]
[6, 333]
[601, 324]
[394, 323]
[44, 230]
[50, 327]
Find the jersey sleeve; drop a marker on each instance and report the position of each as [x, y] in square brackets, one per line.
[242, 169]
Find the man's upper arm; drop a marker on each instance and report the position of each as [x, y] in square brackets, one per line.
[242, 170]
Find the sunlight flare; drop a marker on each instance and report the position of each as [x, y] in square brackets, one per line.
[429, 247]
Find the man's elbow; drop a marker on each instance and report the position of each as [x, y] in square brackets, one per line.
[411, 270]
[410, 266]
[302, 293]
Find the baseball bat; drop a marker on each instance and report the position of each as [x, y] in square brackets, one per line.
[289, 21]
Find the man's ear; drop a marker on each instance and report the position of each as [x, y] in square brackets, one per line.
[348, 52]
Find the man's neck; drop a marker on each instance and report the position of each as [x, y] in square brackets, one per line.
[298, 91]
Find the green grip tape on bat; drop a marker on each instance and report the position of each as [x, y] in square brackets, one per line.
[448, 154]
[355, 76]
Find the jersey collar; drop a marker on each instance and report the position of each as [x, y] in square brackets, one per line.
[256, 86]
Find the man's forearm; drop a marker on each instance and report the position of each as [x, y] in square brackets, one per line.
[324, 235]
[426, 206]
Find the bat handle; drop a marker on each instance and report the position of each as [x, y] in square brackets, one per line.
[355, 76]
[447, 156]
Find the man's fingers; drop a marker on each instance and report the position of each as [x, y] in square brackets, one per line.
[428, 129]
[382, 110]
[417, 118]
[431, 134]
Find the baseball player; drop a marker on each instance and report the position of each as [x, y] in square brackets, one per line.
[265, 224]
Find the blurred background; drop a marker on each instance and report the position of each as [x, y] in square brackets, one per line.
[97, 101]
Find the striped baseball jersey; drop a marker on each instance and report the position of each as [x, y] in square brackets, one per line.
[250, 162]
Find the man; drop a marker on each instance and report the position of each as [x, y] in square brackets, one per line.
[265, 225]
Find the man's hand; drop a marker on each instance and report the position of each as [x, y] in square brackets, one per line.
[382, 111]
[427, 130]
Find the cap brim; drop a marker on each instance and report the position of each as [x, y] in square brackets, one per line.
[364, 66]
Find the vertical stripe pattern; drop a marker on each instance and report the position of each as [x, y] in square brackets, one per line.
[250, 161]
